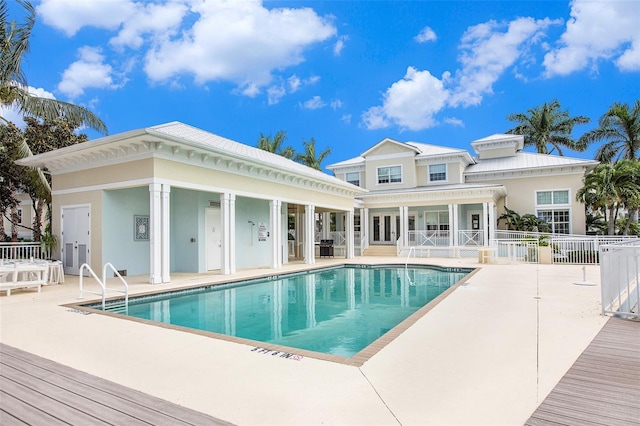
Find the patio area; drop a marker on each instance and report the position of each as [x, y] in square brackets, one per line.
[488, 354]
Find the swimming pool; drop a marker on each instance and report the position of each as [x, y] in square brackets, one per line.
[336, 311]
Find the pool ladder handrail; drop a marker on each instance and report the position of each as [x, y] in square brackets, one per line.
[103, 284]
[406, 263]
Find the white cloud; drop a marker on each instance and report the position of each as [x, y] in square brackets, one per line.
[425, 35]
[238, 41]
[598, 31]
[89, 71]
[158, 20]
[275, 93]
[346, 118]
[410, 103]
[335, 104]
[314, 103]
[294, 83]
[487, 51]
[71, 15]
[455, 122]
[337, 48]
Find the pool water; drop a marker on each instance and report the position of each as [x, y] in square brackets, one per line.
[337, 311]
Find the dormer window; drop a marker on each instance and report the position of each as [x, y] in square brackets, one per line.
[353, 178]
[437, 173]
[391, 174]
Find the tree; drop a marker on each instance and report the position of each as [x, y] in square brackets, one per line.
[275, 144]
[14, 89]
[309, 157]
[620, 129]
[611, 187]
[527, 222]
[545, 126]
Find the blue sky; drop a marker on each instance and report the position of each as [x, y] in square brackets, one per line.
[347, 73]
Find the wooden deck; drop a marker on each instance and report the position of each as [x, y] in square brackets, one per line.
[603, 385]
[37, 391]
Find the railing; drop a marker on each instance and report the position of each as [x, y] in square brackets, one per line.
[103, 284]
[470, 238]
[516, 251]
[429, 238]
[620, 278]
[22, 250]
[566, 248]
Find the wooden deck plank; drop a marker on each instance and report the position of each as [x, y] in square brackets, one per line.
[54, 388]
[61, 403]
[17, 412]
[603, 385]
[173, 411]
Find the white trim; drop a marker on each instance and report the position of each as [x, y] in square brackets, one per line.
[494, 175]
[186, 185]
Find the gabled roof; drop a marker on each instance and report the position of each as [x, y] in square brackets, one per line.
[422, 151]
[389, 141]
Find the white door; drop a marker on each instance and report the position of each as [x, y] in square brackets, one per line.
[385, 228]
[76, 238]
[213, 238]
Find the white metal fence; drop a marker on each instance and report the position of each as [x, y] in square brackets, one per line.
[620, 278]
[22, 250]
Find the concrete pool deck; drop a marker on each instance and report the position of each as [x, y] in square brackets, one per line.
[486, 355]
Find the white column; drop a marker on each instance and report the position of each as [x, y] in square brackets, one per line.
[284, 232]
[166, 233]
[232, 233]
[155, 234]
[309, 243]
[275, 207]
[326, 226]
[454, 224]
[493, 213]
[228, 213]
[489, 221]
[451, 227]
[364, 228]
[350, 240]
[485, 221]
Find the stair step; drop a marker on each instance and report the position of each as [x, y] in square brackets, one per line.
[380, 251]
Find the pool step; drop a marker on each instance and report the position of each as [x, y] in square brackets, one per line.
[390, 251]
[117, 308]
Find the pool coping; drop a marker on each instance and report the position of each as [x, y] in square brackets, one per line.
[356, 360]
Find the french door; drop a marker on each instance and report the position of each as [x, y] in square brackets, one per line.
[386, 228]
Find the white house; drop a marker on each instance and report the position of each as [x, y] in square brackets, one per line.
[173, 198]
[429, 195]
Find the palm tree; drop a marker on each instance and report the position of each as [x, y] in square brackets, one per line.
[611, 187]
[309, 157]
[266, 143]
[620, 128]
[547, 125]
[14, 89]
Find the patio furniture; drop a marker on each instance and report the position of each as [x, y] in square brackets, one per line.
[55, 272]
[22, 275]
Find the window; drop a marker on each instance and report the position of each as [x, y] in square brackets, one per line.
[391, 174]
[356, 223]
[552, 197]
[437, 221]
[553, 208]
[353, 178]
[437, 172]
